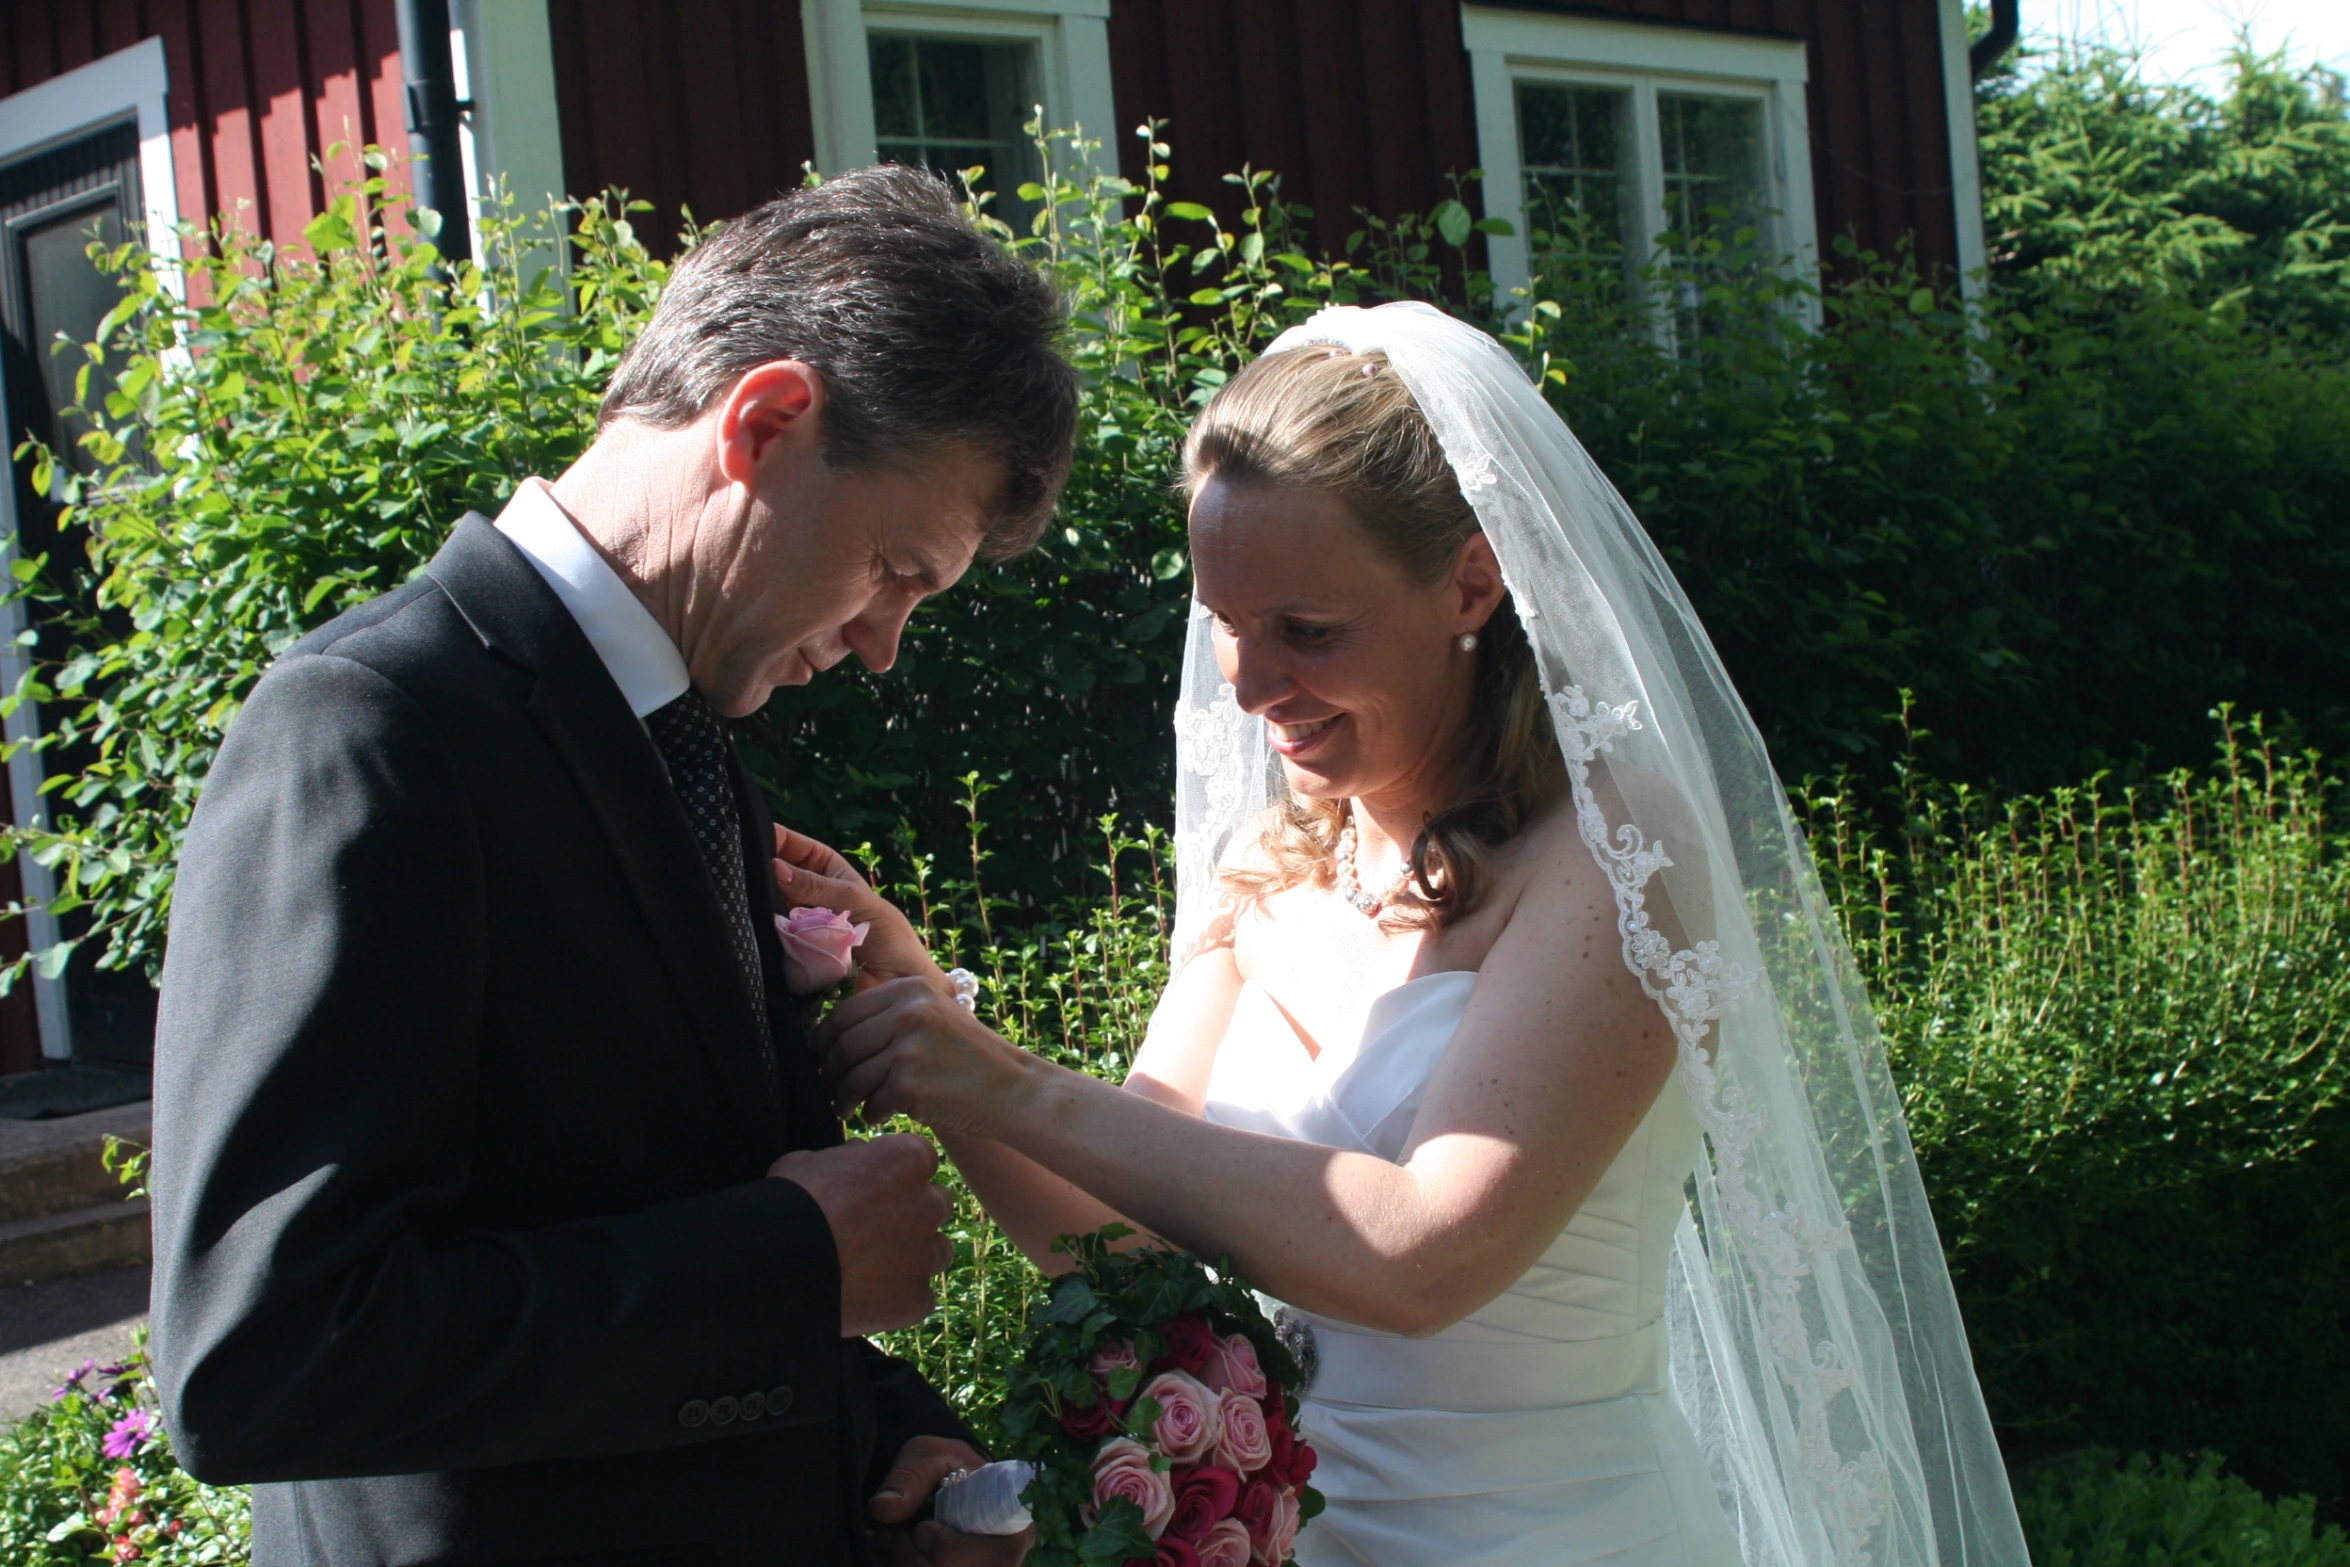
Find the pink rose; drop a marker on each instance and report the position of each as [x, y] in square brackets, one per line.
[1284, 1540]
[1259, 1510]
[1226, 1545]
[1203, 1499]
[816, 947]
[1190, 1417]
[1123, 1468]
[1246, 1446]
[1232, 1367]
[1109, 1357]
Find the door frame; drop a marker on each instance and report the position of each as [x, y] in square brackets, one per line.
[125, 84]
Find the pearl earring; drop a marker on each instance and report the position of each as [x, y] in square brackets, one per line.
[1468, 641]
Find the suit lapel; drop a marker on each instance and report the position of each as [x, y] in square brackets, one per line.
[581, 713]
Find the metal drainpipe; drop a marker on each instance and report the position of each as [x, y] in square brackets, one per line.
[431, 79]
[2006, 18]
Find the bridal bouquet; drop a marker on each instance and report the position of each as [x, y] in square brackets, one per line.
[1153, 1400]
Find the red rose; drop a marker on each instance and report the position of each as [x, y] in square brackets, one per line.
[1176, 1553]
[1085, 1421]
[1301, 1464]
[1259, 1511]
[1190, 1341]
[1283, 1446]
[1203, 1499]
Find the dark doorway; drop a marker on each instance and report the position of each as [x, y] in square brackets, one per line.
[54, 201]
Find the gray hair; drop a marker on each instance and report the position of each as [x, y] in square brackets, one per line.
[928, 334]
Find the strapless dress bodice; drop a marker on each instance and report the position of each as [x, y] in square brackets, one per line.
[1535, 1432]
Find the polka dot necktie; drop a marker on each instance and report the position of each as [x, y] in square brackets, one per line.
[692, 741]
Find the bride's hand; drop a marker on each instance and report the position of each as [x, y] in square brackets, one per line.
[809, 874]
[903, 1048]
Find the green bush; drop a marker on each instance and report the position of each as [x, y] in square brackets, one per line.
[2089, 1511]
[292, 437]
[2121, 1023]
[90, 1477]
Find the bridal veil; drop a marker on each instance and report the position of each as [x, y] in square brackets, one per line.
[1816, 1347]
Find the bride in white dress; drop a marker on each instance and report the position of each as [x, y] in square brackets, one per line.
[1506, 1046]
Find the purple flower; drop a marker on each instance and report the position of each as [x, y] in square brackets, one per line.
[73, 1384]
[129, 1433]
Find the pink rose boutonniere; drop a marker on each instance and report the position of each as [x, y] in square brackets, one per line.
[816, 947]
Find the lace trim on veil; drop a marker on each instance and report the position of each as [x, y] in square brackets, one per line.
[1692, 985]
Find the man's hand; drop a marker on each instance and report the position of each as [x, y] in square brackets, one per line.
[810, 873]
[885, 1213]
[921, 1464]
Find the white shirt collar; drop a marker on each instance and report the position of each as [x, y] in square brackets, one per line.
[641, 659]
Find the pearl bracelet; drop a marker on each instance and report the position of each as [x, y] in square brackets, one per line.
[966, 986]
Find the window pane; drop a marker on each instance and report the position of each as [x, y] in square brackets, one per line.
[1713, 156]
[1572, 142]
[949, 103]
[895, 114]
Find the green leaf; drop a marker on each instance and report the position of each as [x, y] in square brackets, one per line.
[1453, 222]
[1190, 210]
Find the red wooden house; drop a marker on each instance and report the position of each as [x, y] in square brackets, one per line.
[1820, 117]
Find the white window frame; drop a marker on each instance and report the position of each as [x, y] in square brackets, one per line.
[504, 52]
[1966, 158]
[1507, 47]
[1072, 39]
[127, 83]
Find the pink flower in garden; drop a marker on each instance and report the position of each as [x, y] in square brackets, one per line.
[129, 1434]
[1123, 1468]
[1232, 1367]
[1226, 1545]
[1245, 1446]
[816, 947]
[1190, 1417]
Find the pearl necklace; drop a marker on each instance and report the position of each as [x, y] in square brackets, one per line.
[1350, 886]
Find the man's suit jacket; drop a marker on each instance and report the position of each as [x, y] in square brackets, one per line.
[463, 1244]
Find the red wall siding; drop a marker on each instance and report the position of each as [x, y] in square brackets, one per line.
[258, 90]
[1367, 104]
[1357, 103]
[717, 127]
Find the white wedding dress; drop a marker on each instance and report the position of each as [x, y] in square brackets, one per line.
[1537, 1432]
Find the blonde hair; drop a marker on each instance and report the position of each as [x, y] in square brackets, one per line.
[1324, 419]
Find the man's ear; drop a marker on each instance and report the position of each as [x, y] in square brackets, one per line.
[1477, 582]
[781, 401]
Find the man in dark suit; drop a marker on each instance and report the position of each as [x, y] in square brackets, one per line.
[500, 1214]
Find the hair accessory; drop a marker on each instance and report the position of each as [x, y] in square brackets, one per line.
[966, 986]
[1468, 641]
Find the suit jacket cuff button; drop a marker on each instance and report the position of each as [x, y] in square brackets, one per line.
[779, 1400]
[694, 1412]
